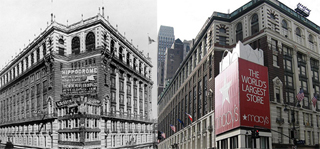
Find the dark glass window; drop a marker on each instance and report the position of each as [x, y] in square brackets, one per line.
[90, 41]
[239, 33]
[75, 45]
[254, 24]
[284, 24]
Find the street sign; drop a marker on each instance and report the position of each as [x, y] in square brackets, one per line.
[301, 142]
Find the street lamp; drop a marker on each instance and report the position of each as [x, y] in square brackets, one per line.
[293, 119]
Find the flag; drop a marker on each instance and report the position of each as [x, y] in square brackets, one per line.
[300, 95]
[173, 128]
[150, 40]
[158, 141]
[314, 101]
[181, 122]
[163, 135]
[190, 117]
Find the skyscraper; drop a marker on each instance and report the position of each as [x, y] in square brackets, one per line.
[165, 40]
[173, 58]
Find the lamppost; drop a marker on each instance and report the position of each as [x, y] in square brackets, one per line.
[293, 119]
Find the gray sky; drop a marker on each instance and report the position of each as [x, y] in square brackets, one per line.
[21, 20]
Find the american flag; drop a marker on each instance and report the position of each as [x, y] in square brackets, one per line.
[163, 135]
[173, 128]
[314, 101]
[190, 117]
[300, 95]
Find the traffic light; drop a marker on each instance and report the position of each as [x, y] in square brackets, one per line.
[253, 133]
[257, 134]
[159, 135]
[292, 134]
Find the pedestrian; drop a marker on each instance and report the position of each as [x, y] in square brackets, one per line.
[9, 144]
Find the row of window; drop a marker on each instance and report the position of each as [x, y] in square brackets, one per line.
[83, 63]
[194, 102]
[135, 63]
[127, 140]
[25, 63]
[24, 102]
[30, 140]
[183, 74]
[89, 42]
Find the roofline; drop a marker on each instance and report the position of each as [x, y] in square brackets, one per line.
[231, 17]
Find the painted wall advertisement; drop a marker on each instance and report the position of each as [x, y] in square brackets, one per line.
[242, 97]
[79, 81]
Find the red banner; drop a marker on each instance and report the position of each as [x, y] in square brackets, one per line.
[254, 94]
[242, 97]
[227, 108]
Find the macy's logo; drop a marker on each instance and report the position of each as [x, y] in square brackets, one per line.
[256, 118]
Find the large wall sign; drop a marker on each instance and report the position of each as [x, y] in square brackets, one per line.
[242, 96]
[79, 81]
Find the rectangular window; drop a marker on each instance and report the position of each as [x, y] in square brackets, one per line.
[278, 95]
[275, 60]
[287, 65]
[274, 45]
[222, 40]
[264, 142]
[199, 98]
[280, 134]
[194, 102]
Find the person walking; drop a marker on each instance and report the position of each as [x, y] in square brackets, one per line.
[9, 144]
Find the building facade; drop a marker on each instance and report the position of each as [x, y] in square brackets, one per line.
[290, 43]
[78, 86]
[186, 47]
[165, 40]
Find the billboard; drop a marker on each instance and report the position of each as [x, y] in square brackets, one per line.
[79, 81]
[242, 96]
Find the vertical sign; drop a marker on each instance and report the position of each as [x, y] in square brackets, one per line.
[254, 94]
[227, 108]
[242, 97]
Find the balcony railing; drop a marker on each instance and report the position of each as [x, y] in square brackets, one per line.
[127, 117]
[280, 121]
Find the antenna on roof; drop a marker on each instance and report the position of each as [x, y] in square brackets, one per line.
[103, 12]
[51, 17]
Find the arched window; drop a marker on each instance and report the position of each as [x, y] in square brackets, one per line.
[298, 33]
[112, 50]
[284, 24]
[222, 30]
[222, 38]
[310, 38]
[61, 41]
[311, 45]
[90, 41]
[254, 24]
[239, 34]
[120, 53]
[75, 45]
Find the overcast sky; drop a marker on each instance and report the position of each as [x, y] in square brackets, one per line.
[22, 20]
